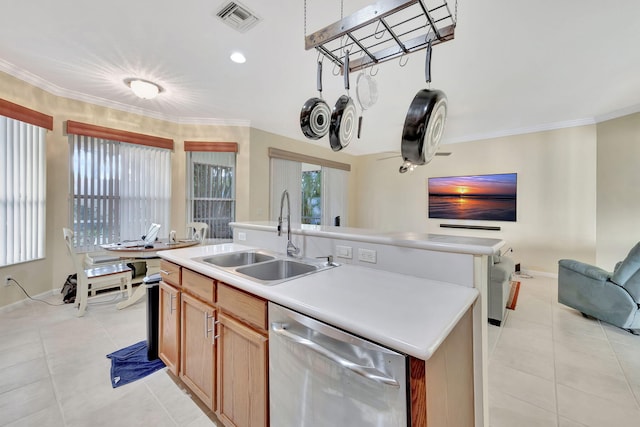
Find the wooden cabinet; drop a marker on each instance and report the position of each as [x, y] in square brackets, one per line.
[169, 327]
[242, 359]
[197, 362]
[224, 362]
[242, 374]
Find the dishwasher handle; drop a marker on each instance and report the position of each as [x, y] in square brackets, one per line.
[364, 371]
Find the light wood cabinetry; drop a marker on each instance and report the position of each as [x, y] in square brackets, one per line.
[242, 359]
[242, 374]
[169, 327]
[224, 362]
[197, 363]
[169, 316]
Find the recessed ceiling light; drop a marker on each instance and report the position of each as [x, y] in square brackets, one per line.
[238, 58]
[143, 88]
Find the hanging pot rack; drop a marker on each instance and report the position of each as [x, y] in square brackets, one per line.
[384, 31]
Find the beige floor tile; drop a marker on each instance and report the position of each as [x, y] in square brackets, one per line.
[176, 398]
[527, 329]
[135, 407]
[564, 422]
[26, 400]
[47, 417]
[604, 385]
[594, 411]
[20, 354]
[526, 360]
[507, 411]
[523, 386]
[21, 374]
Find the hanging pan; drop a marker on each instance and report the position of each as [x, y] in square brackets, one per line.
[424, 124]
[315, 113]
[343, 117]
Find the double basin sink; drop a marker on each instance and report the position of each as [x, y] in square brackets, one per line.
[265, 267]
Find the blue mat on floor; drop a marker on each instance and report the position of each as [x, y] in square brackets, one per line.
[130, 364]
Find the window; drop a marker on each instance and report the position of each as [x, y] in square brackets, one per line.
[311, 194]
[117, 190]
[23, 183]
[211, 191]
[317, 188]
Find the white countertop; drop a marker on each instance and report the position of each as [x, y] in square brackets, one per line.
[438, 242]
[406, 313]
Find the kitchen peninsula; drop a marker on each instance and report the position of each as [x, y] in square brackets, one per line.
[420, 295]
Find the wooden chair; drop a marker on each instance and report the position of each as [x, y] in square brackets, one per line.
[197, 231]
[102, 277]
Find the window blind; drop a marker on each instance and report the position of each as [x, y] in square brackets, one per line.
[211, 191]
[22, 191]
[117, 190]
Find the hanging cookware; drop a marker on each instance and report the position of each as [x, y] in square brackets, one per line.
[315, 113]
[424, 123]
[343, 117]
[367, 95]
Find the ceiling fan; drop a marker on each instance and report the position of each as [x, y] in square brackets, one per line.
[408, 166]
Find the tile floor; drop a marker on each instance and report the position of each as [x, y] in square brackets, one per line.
[548, 366]
[551, 367]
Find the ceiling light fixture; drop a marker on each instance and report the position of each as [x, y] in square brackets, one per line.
[238, 58]
[143, 88]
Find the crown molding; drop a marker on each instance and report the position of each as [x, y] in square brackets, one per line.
[521, 131]
[53, 89]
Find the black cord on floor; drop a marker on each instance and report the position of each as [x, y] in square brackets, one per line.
[29, 296]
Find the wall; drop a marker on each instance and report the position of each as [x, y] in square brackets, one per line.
[43, 275]
[618, 187]
[556, 193]
[252, 185]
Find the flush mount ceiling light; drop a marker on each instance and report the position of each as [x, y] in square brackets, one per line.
[238, 58]
[143, 88]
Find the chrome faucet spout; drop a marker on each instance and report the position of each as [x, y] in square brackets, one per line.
[291, 248]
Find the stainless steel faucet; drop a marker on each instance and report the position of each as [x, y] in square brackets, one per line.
[292, 250]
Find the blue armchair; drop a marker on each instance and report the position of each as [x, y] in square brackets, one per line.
[611, 297]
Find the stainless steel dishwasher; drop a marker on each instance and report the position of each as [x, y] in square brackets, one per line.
[322, 376]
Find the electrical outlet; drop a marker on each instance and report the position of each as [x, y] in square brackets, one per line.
[367, 255]
[343, 252]
[242, 235]
[7, 280]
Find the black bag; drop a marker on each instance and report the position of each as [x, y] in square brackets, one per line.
[69, 289]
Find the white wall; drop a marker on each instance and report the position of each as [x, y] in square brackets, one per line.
[618, 225]
[556, 204]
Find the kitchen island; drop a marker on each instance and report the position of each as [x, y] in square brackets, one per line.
[432, 321]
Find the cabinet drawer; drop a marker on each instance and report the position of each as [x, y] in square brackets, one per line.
[242, 305]
[199, 285]
[170, 272]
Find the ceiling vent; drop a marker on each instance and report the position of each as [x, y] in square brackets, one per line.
[237, 15]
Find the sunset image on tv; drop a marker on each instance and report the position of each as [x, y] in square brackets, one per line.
[474, 197]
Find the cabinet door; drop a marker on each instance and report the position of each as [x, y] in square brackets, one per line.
[197, 363]
[242, 375]
[169, 327]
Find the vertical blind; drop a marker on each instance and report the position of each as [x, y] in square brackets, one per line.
[117, 190]
[22, 191]
[211, 191]
[286, 175]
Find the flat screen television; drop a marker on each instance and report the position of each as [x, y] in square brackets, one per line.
[474, 197]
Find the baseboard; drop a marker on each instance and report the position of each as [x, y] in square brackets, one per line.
[14, 305]
[535, 273]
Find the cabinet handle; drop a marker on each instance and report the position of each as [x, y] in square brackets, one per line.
[206, 324]
[168, 273]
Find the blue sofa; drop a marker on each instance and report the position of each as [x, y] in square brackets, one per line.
[611, 297]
